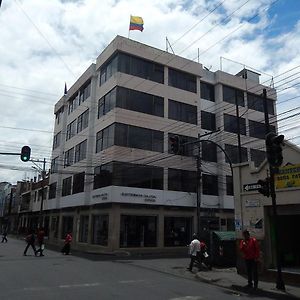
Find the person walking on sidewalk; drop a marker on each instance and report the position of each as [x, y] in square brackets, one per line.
[4, 235]
[67, 246]
[194, 250]
[40, 238]
[250, 249]
[30, 239]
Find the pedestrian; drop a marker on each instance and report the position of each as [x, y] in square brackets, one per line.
[250, 249]
[4, 236]
[30, 240]
[194, 250]
[67, 246]
[204, 258]
[40, 239]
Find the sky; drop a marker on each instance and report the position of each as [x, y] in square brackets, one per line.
[44, 44]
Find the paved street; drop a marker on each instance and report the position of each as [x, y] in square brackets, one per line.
[70, 277]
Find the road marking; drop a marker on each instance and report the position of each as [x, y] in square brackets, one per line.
[188, 298]
[68, 286]
[131, 281]
[35, 288]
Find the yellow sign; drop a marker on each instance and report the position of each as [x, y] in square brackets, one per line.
[287, 177]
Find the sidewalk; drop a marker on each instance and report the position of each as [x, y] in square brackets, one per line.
[225, 278]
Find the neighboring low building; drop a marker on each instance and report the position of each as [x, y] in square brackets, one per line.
[253, 211]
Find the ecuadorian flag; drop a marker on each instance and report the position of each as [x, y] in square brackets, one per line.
[136, 23]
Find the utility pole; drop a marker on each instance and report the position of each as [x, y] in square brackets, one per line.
[238, 127]
[199, 184]
[279, 282]
[43, 173]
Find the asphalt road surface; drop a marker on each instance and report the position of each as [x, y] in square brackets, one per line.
[56, 277]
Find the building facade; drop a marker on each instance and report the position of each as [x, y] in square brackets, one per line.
[115, 181]
[254, 212]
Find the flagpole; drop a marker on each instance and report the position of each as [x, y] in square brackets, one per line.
[129, 27]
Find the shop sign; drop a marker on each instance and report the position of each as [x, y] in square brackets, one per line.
[102, 197]
[287, 177]
[252, 203]
[146, 197]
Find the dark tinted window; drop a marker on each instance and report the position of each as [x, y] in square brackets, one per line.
[84, 92]
[108, 69]
[231, 95]
[52, 190]
[80, 151]
[210, 185]
[138, 137]
[257, 156]
[131, 175]
[233, 153]
[78, 183]
[208, 120]
[209, 151]
[207, 91]
[231, 124]
[182, 180]
[258, 130]
[139, 101]
[66, 186]
[140, 67]
[83, 121]
[105, 138]
[69, 158]
[56, 140]
[182, 80]
[229, 185]
[182, 112]
[256, 102]
[71, 130]
[107, 103]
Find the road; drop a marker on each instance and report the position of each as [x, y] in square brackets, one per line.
[56, 277]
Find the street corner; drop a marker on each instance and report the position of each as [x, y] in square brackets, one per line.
[207, 276]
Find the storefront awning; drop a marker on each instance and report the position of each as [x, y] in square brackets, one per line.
[225, 235]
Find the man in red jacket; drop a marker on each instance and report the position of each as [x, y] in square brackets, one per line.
[250, 248]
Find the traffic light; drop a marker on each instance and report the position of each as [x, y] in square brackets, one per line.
[265, 187]
[274, 145]
[175, 144]
[25, 153]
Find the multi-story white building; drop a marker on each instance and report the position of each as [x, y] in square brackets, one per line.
[114, 179]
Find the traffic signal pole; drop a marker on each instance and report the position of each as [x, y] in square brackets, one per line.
[279, 281]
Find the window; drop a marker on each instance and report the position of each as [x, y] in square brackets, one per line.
[69, 158]
[208, 120]
[73, 103]
[78, 183]
[105, 138]
[182, 80]
[138, 137]
[256, 102]
[56, 140]
[132, 65]
[182, 112]
[66, 186]
[52, 190]
[83, 229]
[140, 67]
[209, 151]
[185, 150]
[107, 103]
[182, 180]
[83, 121]
[84, 92]
[177, 231]
[131, 175]
[100, 230]
[80, 151]
[229, 185]
[257, 156]
[55, 226]
[258, 130]
[233, 153]
[207, 91]
[58, 114]
[210, 185]
[138, 231]
[231, 124]
[67, 225]
[232, 95]
[54, 165]
[71, 130]
[139, 101]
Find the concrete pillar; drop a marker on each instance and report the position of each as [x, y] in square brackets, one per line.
[160, 228]
[114, 228]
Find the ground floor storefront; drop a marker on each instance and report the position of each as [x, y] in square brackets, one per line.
[121, 227]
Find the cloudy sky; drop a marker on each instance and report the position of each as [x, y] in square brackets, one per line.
[44, 44]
